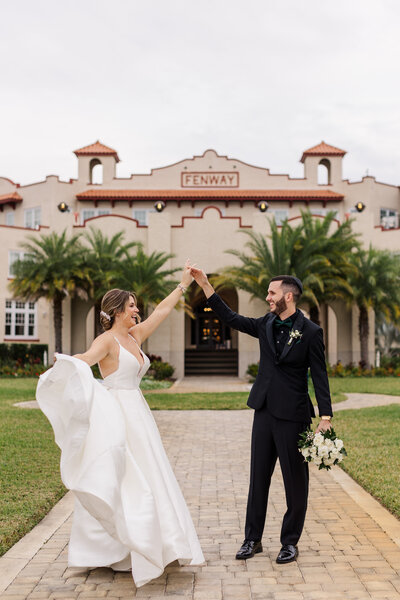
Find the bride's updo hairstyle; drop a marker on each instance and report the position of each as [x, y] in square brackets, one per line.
[112, 303]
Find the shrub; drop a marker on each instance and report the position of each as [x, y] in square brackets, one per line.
[161, 370]
[389, 367]
[390, 362]
[22, 360]
[20, 369]
[9, 353]
[96, 371]
[252, 371]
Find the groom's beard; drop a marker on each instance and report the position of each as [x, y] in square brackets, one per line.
[280, 306]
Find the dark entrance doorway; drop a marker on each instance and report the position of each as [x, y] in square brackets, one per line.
[207, 331]
[211, 346]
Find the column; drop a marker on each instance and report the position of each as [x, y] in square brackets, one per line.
[249, 349]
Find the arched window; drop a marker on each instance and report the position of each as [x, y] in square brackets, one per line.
[324, 172]
[95, 171]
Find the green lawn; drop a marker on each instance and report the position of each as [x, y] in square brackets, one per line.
[366, 385]
[29, 464]
[372, 439]
[198, 401]
[29, 459]
[152, 384]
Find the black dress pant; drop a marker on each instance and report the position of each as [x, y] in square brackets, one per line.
[274, 438]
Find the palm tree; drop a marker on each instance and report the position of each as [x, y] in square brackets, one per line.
[309, 251]
[262, 261]
[103, 264]
[51, 269]
[376, 284]
[324, 251]
[147, 277]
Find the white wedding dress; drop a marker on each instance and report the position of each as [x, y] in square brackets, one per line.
[129, 510]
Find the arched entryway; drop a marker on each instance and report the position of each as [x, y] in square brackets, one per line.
[211, 347]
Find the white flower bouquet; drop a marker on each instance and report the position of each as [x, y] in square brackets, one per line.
[324, 449]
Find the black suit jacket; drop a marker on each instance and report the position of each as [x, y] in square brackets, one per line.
[281, 382]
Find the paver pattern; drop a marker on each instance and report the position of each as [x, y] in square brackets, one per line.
[344, 554]
[211, 384]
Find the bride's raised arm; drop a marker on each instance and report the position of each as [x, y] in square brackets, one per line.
[143, 330]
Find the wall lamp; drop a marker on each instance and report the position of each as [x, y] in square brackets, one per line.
[263, 206]
[63, 207]
[159, 206]
[359, 206]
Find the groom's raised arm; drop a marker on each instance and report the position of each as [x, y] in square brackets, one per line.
[245, 324]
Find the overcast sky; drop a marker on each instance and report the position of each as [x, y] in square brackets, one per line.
[163, 80]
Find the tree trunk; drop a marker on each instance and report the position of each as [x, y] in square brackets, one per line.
[57, 319]
[97, 325]
[314, 315]
[363, 328]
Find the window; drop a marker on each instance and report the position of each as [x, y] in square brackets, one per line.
[13, 256]
[33, 217]
[389, 218]
[95, 171]
[324, 172]
[142, 215]
[280, 215]
[20, 319]
[10, 217]
[89, 213]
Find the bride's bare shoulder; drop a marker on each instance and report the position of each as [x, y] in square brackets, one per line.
[105, 339]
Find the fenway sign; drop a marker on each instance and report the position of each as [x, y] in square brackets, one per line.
[214, 179]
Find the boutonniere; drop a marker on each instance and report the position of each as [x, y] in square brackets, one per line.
[295, 334]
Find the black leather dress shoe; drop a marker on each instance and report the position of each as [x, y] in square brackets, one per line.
[248, 549]
[287, 554]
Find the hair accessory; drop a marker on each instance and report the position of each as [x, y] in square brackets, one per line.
[105, 315]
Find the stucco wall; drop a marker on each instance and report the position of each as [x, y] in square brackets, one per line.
[202, 230]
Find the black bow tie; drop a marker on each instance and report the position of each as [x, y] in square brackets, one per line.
[286, 322]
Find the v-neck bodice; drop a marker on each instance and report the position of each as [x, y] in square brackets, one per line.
[129, 372]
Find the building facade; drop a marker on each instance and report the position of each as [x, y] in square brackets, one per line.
[209, 201]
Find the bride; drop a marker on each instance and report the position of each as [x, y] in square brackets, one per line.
[129, 511]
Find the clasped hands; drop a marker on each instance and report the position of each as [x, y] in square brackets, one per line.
[190, 272]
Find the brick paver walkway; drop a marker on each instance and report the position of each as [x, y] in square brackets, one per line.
[210, 384]
[356, 400]
[344, 553]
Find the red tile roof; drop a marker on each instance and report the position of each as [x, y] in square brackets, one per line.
[323, 149]
[11, 198]
[97, 149]
[205, 194]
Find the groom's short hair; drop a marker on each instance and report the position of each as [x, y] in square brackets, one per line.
[290, 284]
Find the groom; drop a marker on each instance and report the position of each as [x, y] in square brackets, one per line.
[290, 344]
